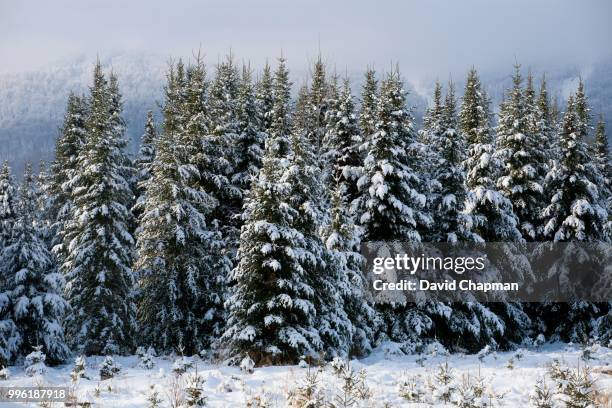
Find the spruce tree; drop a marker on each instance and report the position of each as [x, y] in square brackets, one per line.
[391, 192]
[448, 195]
[97, 239]
[343, 140]
[10, 338]
[392, 200]
[583, 112]
[220, 155]
[575, 213]
[317, 107]
[537, 130]
[143, 163]
[305, 178]
[264, 99]
[35, 285]
[250, 141]
[369, 102]
[341, 238]
[602, 159]
[179, 262]
[490, 213]
[63, 168]
[519, 152]
[271, 310]
[7, 205]
[546, 126]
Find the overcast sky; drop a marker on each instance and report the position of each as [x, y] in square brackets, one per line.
[428, 38]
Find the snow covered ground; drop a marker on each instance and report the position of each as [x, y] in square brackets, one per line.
[230, 387]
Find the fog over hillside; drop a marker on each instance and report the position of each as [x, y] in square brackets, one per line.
[32, 103]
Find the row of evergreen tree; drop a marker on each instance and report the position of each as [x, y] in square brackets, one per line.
[236, 229]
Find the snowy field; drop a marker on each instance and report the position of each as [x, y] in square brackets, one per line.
[508, 378]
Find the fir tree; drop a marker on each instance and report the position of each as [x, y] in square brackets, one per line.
[491, 216]
[178, 250]
[220, 156]
[250, 141]
[369, 103]
[36, 286]
[271, 309]
[264, 99]
[546, 127]
[535, 108]
[576, 213]
[583, 112]
[7, 205]
[10, 339]
[448, 145]
[63, 169]
[97, 239]
[305, 178]
[343, 140]
[143, 163]
[518, 150]
[392, 199]
[602, 159]
[342, 241]
[317, 107]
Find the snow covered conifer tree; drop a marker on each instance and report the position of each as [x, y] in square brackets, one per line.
[63, 168]
[35, 285]
[490, 213]
[392, 200]
[10, 338]
[144, 160]
[305, 178]
[179, 262]
[546, 127]
[7, 205]
[519, 151]
[220, 155]
[271, 310]
[583, 112]
[576, 213]
[391, 192]
[318, 105]
[448, 195]
[343, 140]
[602, 158]
[264, 99]
[537, 130]
[342, 241]
[97, 241]
[250, 141]
[369, 102]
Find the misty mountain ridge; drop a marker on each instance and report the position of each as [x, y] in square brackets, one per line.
[32, 103]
